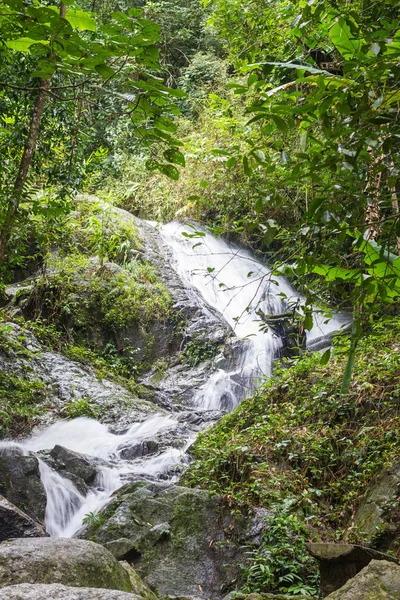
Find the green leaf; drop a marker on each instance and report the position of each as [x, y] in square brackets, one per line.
[105, 71]
[23, 44]
[279, 122]
[165, 124]
[81, 20]
[175, 156]
[346, 44]
[259, 205]
[169, 170]
[325, 357]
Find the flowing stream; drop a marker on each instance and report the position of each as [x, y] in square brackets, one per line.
[222, 277]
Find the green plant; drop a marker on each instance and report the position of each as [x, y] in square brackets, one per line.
[93, 519]
[302, 449]
[199, 349]
[82, 407]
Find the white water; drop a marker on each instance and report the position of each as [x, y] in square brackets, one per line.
[230, 279]
[66, 506]
[235, 285]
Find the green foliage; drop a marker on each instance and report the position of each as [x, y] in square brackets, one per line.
[199, 349]
[82, 407]
[282, 562]
[23, 398]
[305, 451]
[23, 401]
[92, 519]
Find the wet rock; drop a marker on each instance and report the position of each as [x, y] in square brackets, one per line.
[140, 449]
[16, 524]
[68, 561]
[380, 580]
[20, 483]
[55, 591]
[182, 539]
[340, 562]
[74, 463]
[67, 381]
[377, 519]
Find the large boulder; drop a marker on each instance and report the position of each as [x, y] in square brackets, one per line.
[55, 591]
[377, 519]
[20, 483]
[180, 540]
[340, 562]
[68, 561]
[380, 580]
[16, 524]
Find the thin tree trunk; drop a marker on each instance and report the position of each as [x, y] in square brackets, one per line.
[26, 160]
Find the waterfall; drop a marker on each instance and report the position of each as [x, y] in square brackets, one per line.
[221, 277]
[233, 282]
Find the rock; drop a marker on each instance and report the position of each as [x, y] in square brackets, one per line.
[20, 483]
[138, 585]
[138, 450]
[182, 540]
[74, 463]
[55, 591]
[67, 381]
[16, 524]
[340, 562]
[380, 580]
[122, 549]
[55, 560]
[377, 519]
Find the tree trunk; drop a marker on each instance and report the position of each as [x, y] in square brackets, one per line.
[26, 160]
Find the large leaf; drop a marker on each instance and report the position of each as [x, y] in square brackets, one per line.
[81, 20]
[175, 156]
[344, 41]
[23, 44]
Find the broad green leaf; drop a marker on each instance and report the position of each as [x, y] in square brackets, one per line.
[81, 20]
[23, 44]
[169, 170]
[175, 156]
[105, 71]
[343, 39]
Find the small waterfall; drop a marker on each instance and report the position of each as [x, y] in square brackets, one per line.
[66, 505]
[232, 281]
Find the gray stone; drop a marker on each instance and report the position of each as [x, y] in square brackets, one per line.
[122, 549]
[20, 483]
[55, 591]
[68, 561]
[138, 585]
[380, 580]
[182, 540]
[340, 562]
[16, 524]
[74, 463]
[377, 519]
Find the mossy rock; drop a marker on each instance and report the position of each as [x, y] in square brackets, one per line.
[76, 563]
[183, 540]
[380, 580]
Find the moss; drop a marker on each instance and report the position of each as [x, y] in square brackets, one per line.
[102, 309]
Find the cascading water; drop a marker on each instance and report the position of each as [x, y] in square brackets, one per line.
[232, 281]
[220, 275]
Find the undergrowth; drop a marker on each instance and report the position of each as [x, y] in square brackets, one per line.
[306, 452]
